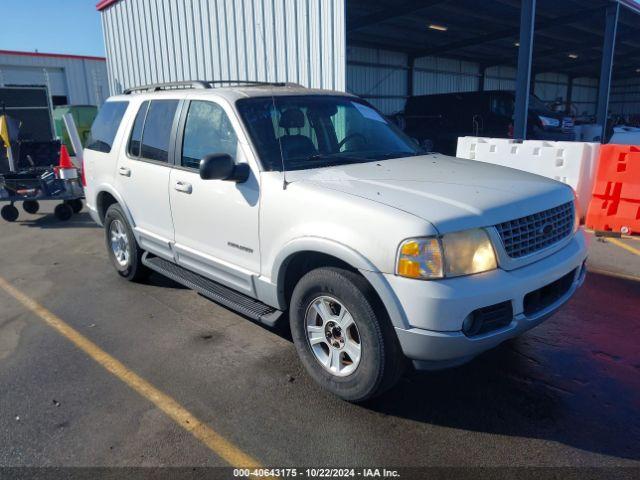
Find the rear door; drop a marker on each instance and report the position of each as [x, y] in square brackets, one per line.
[143, 174]
[102, 147]
[216, 221]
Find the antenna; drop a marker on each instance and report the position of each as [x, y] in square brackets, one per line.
[275, 109]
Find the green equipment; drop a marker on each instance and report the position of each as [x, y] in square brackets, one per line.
[83, 116]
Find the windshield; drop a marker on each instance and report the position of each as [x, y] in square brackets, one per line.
[313, 131]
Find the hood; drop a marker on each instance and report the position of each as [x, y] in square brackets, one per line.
[451, 193]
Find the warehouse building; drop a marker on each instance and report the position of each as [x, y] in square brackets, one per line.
[583, 54]
[70, 79]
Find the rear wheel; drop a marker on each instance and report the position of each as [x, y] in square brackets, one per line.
[343, 336]
[123, 249]
[9, 213]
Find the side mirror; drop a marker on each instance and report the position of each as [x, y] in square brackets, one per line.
[221, 166]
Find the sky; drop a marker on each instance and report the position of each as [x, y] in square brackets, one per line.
[51, 26]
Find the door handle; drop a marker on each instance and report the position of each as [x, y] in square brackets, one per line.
[124, 171]
[183, 187]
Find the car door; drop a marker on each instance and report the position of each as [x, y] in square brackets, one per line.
[215, 221]
[143, 174]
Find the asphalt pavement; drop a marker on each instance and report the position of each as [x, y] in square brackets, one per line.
[564, 394]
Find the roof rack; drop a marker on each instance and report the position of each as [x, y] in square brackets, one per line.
[168, 86]
[204, 84]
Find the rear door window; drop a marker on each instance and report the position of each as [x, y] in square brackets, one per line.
[105, 126]
[136, 133]
[157, 130]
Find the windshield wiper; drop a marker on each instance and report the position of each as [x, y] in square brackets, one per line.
[397, 155]
[332, 159]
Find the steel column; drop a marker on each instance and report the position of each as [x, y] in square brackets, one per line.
[481, 77]
[410, 75]
[608, 50]
[523, 79]
[569, 99]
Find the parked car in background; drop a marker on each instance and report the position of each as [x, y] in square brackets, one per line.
[280, 201]
[443, 118]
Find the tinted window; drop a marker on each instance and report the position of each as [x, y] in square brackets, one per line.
[207, 130]
[136, 133]
[105, 126]
[157, 130]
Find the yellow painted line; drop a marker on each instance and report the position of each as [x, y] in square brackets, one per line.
[623, 276]
[620, 244]
[213, 440]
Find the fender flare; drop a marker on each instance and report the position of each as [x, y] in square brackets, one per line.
[348, 255]
[319, 245]
[106, 188]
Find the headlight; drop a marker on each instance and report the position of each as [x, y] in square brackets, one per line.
[454, 254]
[468, 252]
[420, 258]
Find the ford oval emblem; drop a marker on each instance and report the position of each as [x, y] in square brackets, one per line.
[546, 229]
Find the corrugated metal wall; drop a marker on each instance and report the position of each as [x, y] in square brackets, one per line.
[83, 81]
[380, 76]
[625, 97]
[585, 95]
[153, 41]
[548, 86]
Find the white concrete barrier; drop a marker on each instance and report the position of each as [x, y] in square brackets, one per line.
[573, 163]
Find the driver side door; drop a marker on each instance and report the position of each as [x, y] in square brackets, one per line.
[215, 221]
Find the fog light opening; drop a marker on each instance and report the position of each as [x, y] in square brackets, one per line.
[471, 325]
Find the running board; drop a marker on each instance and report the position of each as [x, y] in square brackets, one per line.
[232, 299]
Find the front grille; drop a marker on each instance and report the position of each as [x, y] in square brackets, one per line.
[543, 297]
[529, 234]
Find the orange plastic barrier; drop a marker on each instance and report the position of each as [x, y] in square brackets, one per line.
[615, 205]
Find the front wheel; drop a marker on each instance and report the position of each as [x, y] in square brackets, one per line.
[124, 252]
[342, 334]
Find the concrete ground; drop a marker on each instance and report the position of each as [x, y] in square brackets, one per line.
[565, 394]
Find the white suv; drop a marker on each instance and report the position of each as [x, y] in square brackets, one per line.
[273, 198]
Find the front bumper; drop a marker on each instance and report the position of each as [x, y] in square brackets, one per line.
[433, 311]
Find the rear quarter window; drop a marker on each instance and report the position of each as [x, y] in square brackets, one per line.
[105, 126]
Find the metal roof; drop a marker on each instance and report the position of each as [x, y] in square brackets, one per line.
[568, 38]
[51, 55]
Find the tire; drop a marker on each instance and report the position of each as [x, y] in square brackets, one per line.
[31, 206]
[126, 257]
[381, 361]
[75, 204]
[9, 213]
[63, 212]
